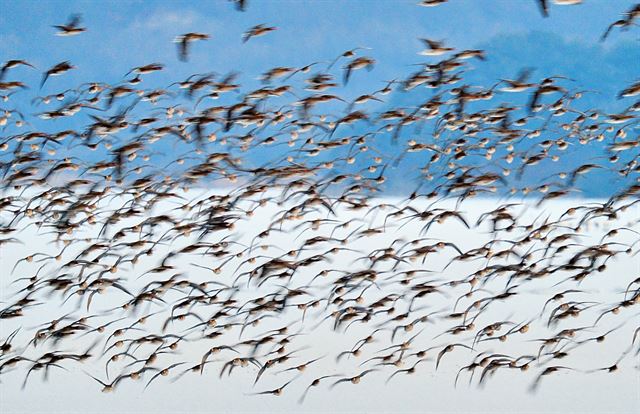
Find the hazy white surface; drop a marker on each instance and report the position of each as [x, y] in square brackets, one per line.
[425, 391]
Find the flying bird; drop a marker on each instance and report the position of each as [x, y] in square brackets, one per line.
[56, 70]
[72, 27]
[258, 30]
[184, 43]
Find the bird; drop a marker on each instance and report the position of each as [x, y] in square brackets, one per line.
[72, 27]
[257, 30]
[434, 48]
[354, 380]
[431, 3]
[241, 5]
[547, 371]
[277, 392]
[544, 5]
[624, 23]
[357, 63]
[10, 64]
[409, 371]
[109, 387]
[315, 383]
[56, 70]
[184, 43]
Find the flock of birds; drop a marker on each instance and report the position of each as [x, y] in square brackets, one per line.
[159, 281]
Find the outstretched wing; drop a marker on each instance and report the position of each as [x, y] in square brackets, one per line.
[544, 7]
[183, 49]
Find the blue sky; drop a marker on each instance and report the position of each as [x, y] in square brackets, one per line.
[125, 34]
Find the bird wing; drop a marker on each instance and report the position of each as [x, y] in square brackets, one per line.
[183, 49]
[544, 7]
